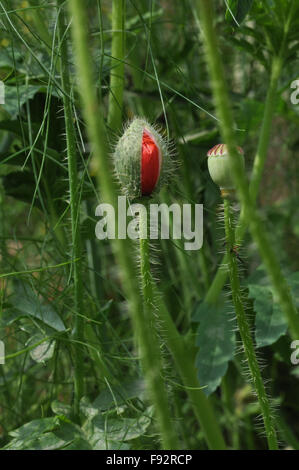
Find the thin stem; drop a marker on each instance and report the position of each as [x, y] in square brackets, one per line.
[184, 361]
[151, 347]
[227, 125]
[78, 330]
[117, 65]
[179, 350]
[97, 136]
[258, 166]
[245, 330]
[259, 160]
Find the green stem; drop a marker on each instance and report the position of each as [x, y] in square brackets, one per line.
[78, 330]
[258, 164]
[227, 125]
[117, 65]
[184, 362]
[151, 347]
[245, 329]
[97, 136]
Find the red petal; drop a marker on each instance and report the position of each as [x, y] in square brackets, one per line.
[150, 164]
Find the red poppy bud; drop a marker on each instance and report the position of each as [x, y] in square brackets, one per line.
[141, 159]
[150, 164]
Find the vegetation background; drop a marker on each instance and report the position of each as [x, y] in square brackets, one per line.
[72, 377]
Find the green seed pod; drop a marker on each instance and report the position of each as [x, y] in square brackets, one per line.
[219, 168]
[141, 159]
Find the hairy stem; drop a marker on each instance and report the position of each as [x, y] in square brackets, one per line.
[151, 348]
[117, 65]
[179, 350]
[245, 330]
[250, 214]
[78, 330]
[97, 136]
[184, 361]
[259, 161]
[258, 166]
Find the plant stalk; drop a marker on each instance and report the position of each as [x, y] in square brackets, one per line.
[258, 166]
[259, 161]
[117, 79]
[78, 329]
[97, 136]
[244, 329]
[256, 227]
[152, 357]
[184, 361]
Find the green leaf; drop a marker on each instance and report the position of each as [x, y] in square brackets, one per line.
[104, 444]
[114, 397]
[237, 10]
[102, 428]
[27, 433]
[60, 408]
[216, 341]
[29, 304]
[15, 97]
[270, 322]
[48, 434]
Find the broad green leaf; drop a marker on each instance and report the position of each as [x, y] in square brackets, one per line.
[73, 436]
[237, 10]
[116, 396]
[216, 341]
[35, 428]
[15, 97]
[26, 434]
[104, 444]
[6, 61]
[48, 434]
[29, 304]
[102, 428]
[60, 408]
[270, 321]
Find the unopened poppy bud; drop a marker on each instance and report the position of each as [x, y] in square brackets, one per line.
[219, 168]
[141, 159]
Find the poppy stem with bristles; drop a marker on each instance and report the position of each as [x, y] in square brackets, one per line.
[226, 122]
[78, 329]
[244, 329]
[152, 357]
